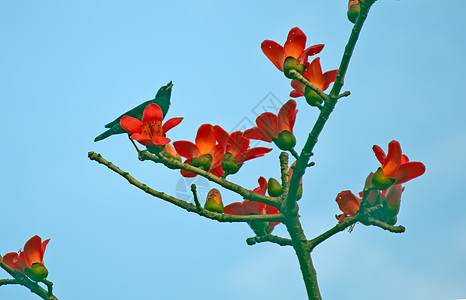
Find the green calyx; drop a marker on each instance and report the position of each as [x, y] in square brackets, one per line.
[380, 181]
[37, 272]
[312, 98]
[274, 188]
[203, 162]
[229, 164]
[154, 149]
[292, 63]
[285, 141]
[212, 205]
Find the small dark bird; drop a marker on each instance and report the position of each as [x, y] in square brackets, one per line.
[162, 99]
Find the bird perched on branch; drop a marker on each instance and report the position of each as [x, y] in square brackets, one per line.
[162, 99]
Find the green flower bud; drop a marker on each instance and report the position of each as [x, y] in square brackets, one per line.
[312, 98]
[274, 188]
[353, 11]
[292, 63]
[204, 162]
[285, 141]
[37, 272]
[229, 164]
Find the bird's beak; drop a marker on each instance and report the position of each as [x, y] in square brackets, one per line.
[170, 85]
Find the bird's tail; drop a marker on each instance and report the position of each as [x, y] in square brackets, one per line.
[104, 135]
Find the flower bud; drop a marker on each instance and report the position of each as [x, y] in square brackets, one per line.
[274, 188]
[299, 194]
[353, 10]
[204, 162]
[37, 272]
[229, 164]
[380, 181]
[292, 63]
[312, 98]
[214, 201]
[285, 141]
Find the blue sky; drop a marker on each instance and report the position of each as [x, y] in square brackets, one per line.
[68, 68]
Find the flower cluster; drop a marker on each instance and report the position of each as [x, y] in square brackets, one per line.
[383, 187]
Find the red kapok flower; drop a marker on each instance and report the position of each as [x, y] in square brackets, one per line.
[294, 47]
[150, 131]
[349, 205]
[248, 207]
[313, 73]
[204, 154]
[236, 149]
[276, 128]
[30, 261]
[396, 167]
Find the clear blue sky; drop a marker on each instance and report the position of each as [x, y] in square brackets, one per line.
[67, 68]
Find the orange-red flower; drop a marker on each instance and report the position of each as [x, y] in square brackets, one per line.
[313, 73]
[236, 149]
[276, 128]
[150, 131]
[205, 153]
[293, 47]
[349, 205]
[248, 207]
[396, 167]
[30, 261]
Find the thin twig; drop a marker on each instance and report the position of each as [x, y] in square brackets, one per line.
[8, 281]
[269, 238]
[196, 200]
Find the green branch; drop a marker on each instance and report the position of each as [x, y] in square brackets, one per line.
[181, 203]
[269, 238]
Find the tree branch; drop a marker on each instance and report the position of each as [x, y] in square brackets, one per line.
[247, 194]
[269, 238]
[183, 204]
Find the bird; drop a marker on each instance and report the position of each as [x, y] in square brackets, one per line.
[162, 99]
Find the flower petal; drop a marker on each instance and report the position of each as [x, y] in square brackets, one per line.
[205, 138]
[186, 149]
[274, 52]
[299, 88]
[409, 171]
[186, 173]
[130, 124]
[313, 73]
[141, 138]
[13, 261]
[380, 154]
[303, 58]
[235, 208]
[252, 153]
[221, 136]
[393, 160]
[170, 124]
[256, 133]
[267, 123]
[295, 43]
[329, 77]
[287, 116]
[152, 112]
[160, 141]
[32, 251]
[253, 208]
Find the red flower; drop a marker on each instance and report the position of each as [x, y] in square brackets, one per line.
[396, 167]
[149, 131]
[276, 128]
[236, 149]
[205, 153]
[313, 73]
[248, 207]
[294, 47]
[30, 261]
[349, 205]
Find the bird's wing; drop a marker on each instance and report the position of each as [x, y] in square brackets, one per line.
[135, 112]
